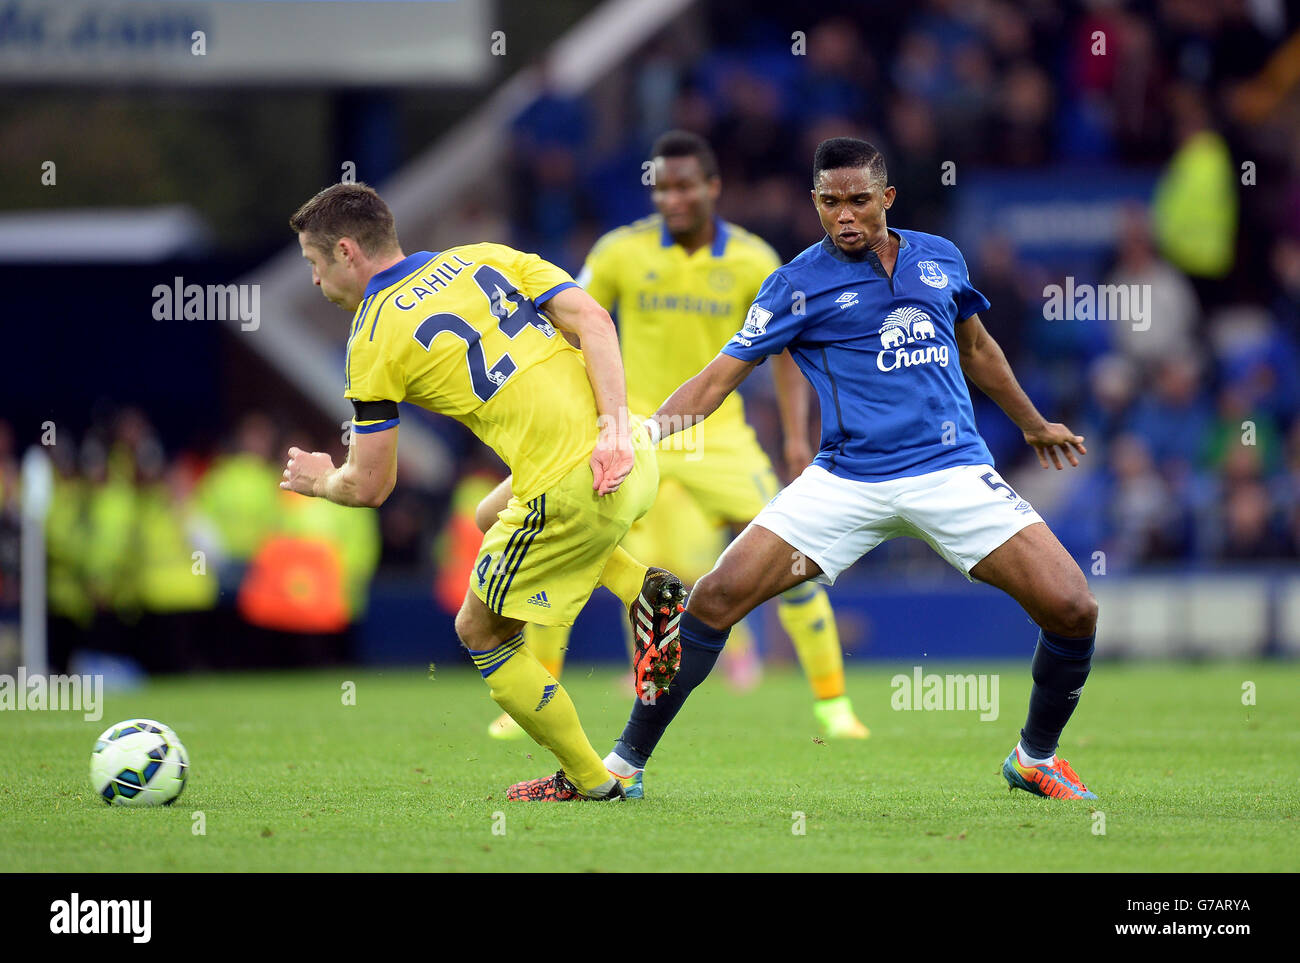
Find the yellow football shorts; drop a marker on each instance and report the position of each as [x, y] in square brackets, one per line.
[542, 559]
[704, 490]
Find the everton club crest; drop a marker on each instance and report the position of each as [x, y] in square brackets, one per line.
[932, 275]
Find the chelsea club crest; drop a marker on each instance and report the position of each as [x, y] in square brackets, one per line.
[932, 275]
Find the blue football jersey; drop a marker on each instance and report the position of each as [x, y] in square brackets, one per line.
[881, 353]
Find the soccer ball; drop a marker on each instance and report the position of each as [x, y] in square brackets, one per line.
[138, 763]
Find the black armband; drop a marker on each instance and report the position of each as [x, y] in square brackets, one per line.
[371, 416]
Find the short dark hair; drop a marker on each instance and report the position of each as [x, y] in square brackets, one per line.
[683, 143]
[347, 210]
[839, 152]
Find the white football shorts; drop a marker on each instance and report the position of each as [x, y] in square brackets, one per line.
[964, 513]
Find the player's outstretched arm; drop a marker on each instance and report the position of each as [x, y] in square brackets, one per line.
[698, 398]
[986, 366]
[365, 480]
[574, 310]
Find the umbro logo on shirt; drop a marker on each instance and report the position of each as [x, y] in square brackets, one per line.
[847, 299]
[540, 599]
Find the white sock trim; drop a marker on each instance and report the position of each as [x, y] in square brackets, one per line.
[1027, 760]
[618, 766]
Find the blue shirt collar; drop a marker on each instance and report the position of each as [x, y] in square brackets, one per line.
[390, 276]
[720, 235]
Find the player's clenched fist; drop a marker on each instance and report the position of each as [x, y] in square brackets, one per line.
[304, 469]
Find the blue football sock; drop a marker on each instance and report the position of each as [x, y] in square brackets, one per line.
[1060, 668]
[701, 647]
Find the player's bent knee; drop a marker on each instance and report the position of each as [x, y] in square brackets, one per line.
[1090, 612]
[1082, 612]
[1075, 615]
[463, 627]
[716, 602]
[473, 635]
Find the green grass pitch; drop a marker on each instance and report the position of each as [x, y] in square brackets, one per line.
[287, 777]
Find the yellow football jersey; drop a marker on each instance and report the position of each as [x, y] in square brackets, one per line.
[460, 332]
[676, 310]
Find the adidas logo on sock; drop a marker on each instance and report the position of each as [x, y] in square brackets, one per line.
[540, 599]
[548, 692]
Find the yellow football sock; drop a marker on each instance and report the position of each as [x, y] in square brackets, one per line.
[623, 575]
[805, 612]
[533, 698]
[548, 643]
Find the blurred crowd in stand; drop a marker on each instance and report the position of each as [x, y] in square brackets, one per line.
[188, 562]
